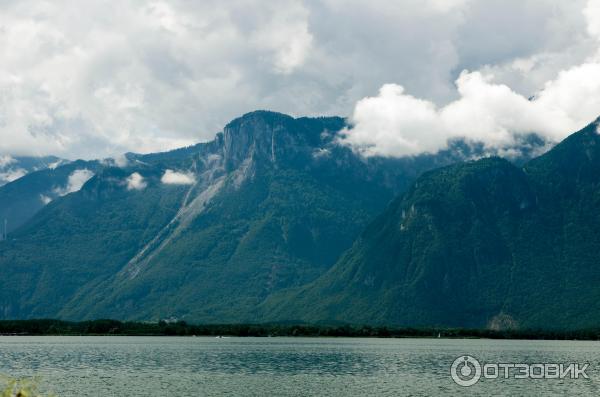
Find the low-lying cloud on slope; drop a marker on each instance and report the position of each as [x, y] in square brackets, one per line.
[8, 172]
[45, 199]
[136, 181]
[75, 182]
[171, 177]
[11, 174]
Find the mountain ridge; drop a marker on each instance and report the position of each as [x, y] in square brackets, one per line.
[476, 244]
[251, 218]
[266, 207]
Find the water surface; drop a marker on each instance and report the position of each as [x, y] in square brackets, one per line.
[207, 366]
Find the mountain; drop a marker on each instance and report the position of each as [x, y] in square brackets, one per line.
[13, 168]
[205, 233]
[476, 244]
[22, 198]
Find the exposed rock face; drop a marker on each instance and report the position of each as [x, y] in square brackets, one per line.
[251, 136]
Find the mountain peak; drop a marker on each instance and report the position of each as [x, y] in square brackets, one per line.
[265, 116]
[574, 160]
[272, 137]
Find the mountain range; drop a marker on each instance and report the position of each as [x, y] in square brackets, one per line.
[13, 168]
[274, 220]
[475, 244]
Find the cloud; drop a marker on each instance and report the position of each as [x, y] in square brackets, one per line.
[9, 171]
[592, 15]
[287, 38]
[12, 174]
[394, 123]
[397, 124]
[135, 182]
[119, 160]
[171, 177]
[6, 160]
[150, 76]
[45, 199]
[56, 164]
[141, 76]
[75, 181]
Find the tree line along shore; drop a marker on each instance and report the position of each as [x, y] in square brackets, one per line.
[181, 328]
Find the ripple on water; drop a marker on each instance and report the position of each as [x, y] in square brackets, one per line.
[165, 366]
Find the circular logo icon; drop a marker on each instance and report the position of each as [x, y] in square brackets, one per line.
[465, 371]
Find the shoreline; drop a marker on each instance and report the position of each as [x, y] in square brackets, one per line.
[50, 327]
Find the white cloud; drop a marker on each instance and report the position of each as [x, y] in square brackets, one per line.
[45, 199]
[395, 123]
[171, 177]
[286, 36]
[76, 180]
[136, 182]
[119, 160]
[6, 160]
[12, 174]
[12, 169]
[592, 15]
[57, 163]
[142, 77]
[149, 76]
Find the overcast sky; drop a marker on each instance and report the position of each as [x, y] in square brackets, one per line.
[98, 78]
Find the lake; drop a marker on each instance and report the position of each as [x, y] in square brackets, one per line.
[208, 366]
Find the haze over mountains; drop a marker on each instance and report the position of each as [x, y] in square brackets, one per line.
[274, 220]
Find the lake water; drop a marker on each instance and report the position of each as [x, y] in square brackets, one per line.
[207, 366]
